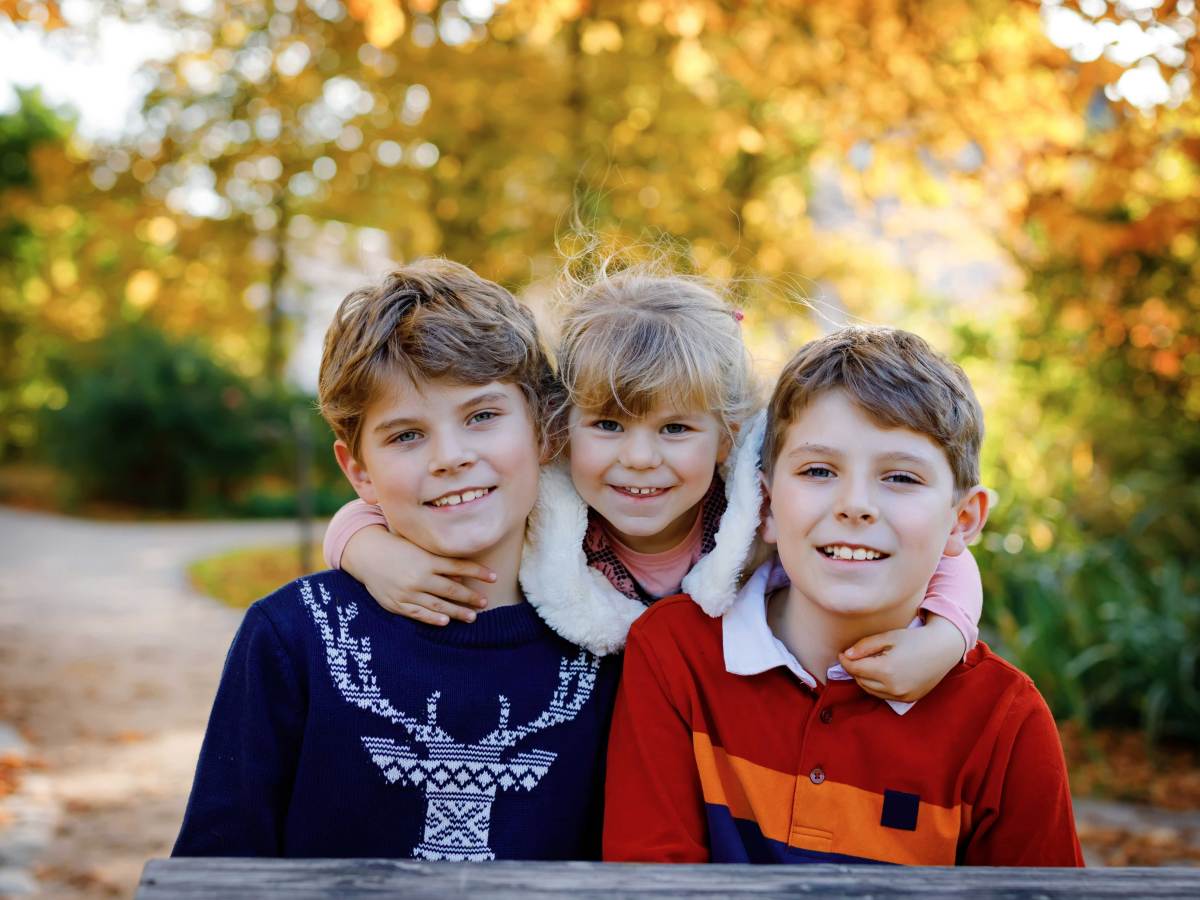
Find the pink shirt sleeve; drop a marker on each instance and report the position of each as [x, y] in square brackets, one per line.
[955, 593]
[347, 522]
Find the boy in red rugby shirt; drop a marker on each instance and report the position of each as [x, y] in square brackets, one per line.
[741, 739]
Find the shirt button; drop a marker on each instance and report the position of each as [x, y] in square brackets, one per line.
[817, 775]
[826, 716]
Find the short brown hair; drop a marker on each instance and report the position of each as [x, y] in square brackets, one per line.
[897, 379]
[433, 319]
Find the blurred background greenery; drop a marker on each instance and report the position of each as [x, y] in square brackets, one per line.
[1017, 181]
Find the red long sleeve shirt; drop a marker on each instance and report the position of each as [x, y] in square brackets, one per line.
[705, 765]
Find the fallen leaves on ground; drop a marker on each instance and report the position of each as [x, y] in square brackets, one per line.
[1157, 847]
[1122, 765]
[11, 765]
[240, 577]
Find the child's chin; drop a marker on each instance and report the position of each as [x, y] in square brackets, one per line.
[854, 604]
[639, 526]
[465, 547]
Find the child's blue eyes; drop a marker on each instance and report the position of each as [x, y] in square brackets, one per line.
[824, 472]
[408, 437]
[817, 472]
[611, 426]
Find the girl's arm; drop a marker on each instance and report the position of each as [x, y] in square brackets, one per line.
[403, 578]
[907, 664]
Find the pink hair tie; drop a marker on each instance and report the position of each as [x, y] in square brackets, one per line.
[738, 315]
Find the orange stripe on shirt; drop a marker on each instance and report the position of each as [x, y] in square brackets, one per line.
[827, 817]
[750, 791]
[851, 816]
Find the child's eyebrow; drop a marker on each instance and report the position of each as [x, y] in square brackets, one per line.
[401, 422]
[477, 400]
[489, 397]
[911, 458]
[817, 449]
[897, 457]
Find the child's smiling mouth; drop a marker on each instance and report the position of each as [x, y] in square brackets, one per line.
[460, 498]
[851, 553]
[639, 493]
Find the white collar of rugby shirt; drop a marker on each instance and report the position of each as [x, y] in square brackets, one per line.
[751, 647]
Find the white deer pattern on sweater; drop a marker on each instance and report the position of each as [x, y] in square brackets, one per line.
[459, 780]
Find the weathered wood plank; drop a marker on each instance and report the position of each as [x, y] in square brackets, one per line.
[192, 879]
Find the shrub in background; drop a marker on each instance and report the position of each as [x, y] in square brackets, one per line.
[155, 422]
[1109, 635]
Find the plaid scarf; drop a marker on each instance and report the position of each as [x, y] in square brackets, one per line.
[601, 556]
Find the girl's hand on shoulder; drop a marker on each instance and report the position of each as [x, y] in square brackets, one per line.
[409, 581]
[905, 664]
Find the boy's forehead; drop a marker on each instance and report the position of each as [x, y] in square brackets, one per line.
[404, 394]
[834, 422]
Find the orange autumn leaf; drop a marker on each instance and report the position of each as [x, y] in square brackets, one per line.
[47, 12]
[383, 20]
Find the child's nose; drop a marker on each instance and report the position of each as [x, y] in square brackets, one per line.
[639, 451]
[855, 503]
[450, 454]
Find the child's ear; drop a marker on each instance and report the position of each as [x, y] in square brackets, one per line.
[725, 445]
[970, 516]
[355, 472]
[768, 520]
[729, 437]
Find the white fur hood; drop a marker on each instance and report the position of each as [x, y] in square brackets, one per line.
[579, 603]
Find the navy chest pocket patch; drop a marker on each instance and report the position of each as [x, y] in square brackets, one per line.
[900, 810]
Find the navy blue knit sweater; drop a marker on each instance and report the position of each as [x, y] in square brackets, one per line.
[340, 730]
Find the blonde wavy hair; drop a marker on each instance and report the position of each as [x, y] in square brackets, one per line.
[634, 336]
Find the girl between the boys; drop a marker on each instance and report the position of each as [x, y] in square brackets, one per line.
[659, 410]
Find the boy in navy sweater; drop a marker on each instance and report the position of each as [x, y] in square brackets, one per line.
[342, 730]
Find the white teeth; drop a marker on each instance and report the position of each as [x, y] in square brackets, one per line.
[641, 491]
[840, 551]
[464, 497]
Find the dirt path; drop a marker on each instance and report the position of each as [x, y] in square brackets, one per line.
[108, 665]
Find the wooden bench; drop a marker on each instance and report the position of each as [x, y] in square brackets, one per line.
[341, 878]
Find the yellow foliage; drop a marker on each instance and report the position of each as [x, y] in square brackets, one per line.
[600, 37]
[383, 20]
[160, 230]
[649, 12]
[691, 63]
[1082, 461]
[686, 20]
[233, 32]
[64, 274]
[750, 139]
[142, 288]
[1040, 535]
[36, 291]
[44, 12]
